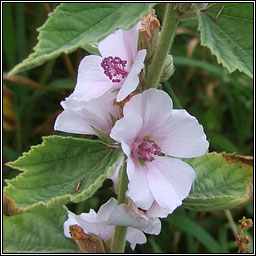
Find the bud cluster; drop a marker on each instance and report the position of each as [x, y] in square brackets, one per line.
[188, 11]
[243, 240]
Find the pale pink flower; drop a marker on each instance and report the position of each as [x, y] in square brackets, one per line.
[149, 129]
[97, 223]
[118, 67]
[79, 117]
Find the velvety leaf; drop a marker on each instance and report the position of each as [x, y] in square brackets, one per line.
[59, 170]
[37, 232]
[227, 29]
[223, 181]
[73, 25]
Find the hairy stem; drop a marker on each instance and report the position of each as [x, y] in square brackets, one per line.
[118, 240]
[232, 223]
[170, 23]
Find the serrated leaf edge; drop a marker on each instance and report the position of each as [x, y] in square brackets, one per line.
[86, 193]
[56, 53]
[219, 60]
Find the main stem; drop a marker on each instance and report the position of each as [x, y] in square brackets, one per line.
[169, 27]
[118, 240]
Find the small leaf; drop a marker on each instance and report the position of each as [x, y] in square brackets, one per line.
[37, 232]
[74, 25]
[227, 29]
[53, 170]
[220, 183]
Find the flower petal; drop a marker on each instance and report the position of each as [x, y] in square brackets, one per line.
[170, 181]
[154, 106]
[106, 210]
[130, 216]
[97, 223]
[132, 80]
[130, 37]
[157, 211]
[135, 236]
[113, 45]
[130, 168]
[183, 136]
[138, 188]
[70, 221]
[126, 130]
[114, 177]
[73, 122]
[91, 81]
[78, 117]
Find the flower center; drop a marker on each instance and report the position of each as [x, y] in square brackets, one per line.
[146, 149]
[114, 68]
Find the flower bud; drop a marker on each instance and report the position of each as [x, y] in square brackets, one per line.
[243, 225]
[168, 68]
[249, 223]
[246, 239]
[187, 11]
[191, 6]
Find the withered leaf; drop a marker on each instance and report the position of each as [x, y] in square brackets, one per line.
[233, 158]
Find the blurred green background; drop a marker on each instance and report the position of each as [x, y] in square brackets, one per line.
[222, 102]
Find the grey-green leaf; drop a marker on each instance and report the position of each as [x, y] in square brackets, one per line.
[222, 182]
[37, 232]
[227, 29]
[74, 25]
[60, 170]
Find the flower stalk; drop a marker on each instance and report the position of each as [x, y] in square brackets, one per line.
[118, 240]
[167, 34]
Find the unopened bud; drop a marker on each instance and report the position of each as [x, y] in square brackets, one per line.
[246, 239]
[249, 223]
[190, 6]
[243, 225]
[187, 11]
[168, 68]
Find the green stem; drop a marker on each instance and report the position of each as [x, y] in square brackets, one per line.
[170, 24]
[118, 240]
[232, 223]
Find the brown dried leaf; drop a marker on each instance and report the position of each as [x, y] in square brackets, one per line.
[233, 158]
[9, 116]
[8, 206]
